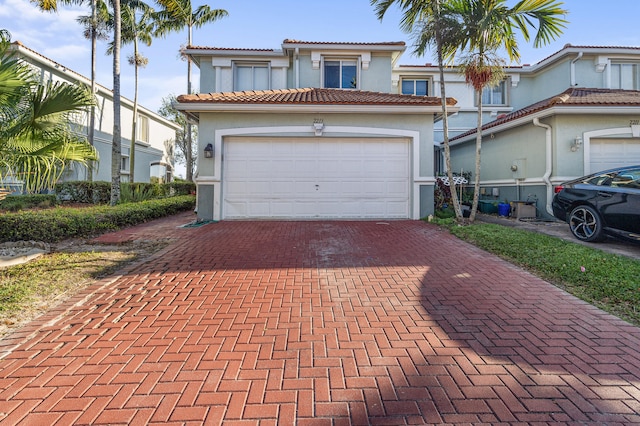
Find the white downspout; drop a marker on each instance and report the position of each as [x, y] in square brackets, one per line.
[548, 165]
[573, 69]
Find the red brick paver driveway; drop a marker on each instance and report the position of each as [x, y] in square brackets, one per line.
[323, 323]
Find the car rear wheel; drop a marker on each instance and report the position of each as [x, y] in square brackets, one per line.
[585, 224]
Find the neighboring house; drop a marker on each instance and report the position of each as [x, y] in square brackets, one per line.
[341, 130]
[575, 112]
[153, 158]
[310, 131]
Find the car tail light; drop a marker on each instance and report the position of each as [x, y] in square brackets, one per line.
[557, 189]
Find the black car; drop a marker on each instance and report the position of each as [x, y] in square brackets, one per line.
[600, 204]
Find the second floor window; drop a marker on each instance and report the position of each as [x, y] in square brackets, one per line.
[625, 76]
[495, 95]
[415, 87]
[251, 77]
[143, 128]
[341, 74]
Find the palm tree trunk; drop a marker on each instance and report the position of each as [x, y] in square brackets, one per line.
[476, 181]
[92, 112]
[134, 126]
[189, 153]
[445, 117]
[116, 146]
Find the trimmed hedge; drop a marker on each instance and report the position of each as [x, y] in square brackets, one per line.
[100, 192]
[61, 223]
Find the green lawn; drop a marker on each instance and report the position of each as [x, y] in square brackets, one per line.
[608, 281]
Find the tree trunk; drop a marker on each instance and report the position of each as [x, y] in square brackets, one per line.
[445, 119]
[116, 146]
[476, 181]
[92, 112]
[134, 125]
[189, 150]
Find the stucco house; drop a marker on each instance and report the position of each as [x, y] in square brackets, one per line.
[156, 134]
[343, 130]
[574, 113]
[314, 130]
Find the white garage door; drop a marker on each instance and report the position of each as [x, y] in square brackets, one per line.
[315, 178]
[611, 153]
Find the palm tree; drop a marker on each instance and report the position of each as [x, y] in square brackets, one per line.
[134, 29]
[431, 25]
[487, 27]
[36, 142]
[116, 145]
[175, 16]
[95, 29]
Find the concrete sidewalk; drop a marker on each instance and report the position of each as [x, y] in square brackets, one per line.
[320, 323]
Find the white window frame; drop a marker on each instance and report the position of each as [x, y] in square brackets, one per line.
[505, 95]
[635, 83]
[415, 80]
[341, 60]
[143, 128]
[253, 65]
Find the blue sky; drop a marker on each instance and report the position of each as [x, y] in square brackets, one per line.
[265, 24]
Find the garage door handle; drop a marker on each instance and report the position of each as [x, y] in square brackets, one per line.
[317, 187]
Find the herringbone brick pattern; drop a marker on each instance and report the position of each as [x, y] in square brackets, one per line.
[322, 323]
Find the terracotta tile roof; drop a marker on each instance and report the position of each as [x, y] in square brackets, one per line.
[386, 43]
[312, 96]
[573, 96]
[225, 49]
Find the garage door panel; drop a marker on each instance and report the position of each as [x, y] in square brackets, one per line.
[316, 177]
[612, 153]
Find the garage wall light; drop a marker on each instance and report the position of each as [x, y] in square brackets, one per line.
[208, 151]
[576, 144]
[318, 126]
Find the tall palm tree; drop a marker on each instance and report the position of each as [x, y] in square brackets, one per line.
[95, 29]
[136, 27]
[488, 26]
[36, 142]
[116, 145]
[431, 26]
[175, 16]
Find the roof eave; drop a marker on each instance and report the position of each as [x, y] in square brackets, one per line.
[568, 110]
[198, 107]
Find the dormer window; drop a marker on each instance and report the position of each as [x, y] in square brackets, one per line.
[251, 76]
[341, 73]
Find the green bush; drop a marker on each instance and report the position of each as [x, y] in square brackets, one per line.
[100, 192]
[61, 223]
[84, 192]
[29, 201]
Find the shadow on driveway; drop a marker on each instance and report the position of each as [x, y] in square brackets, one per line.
[323, 323]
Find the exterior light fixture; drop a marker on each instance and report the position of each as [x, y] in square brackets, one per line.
[576, 144]
[318, 126]
[208, 151]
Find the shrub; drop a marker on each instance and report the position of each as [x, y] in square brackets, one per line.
[84, 192]
[20, 202]
[61, 223]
